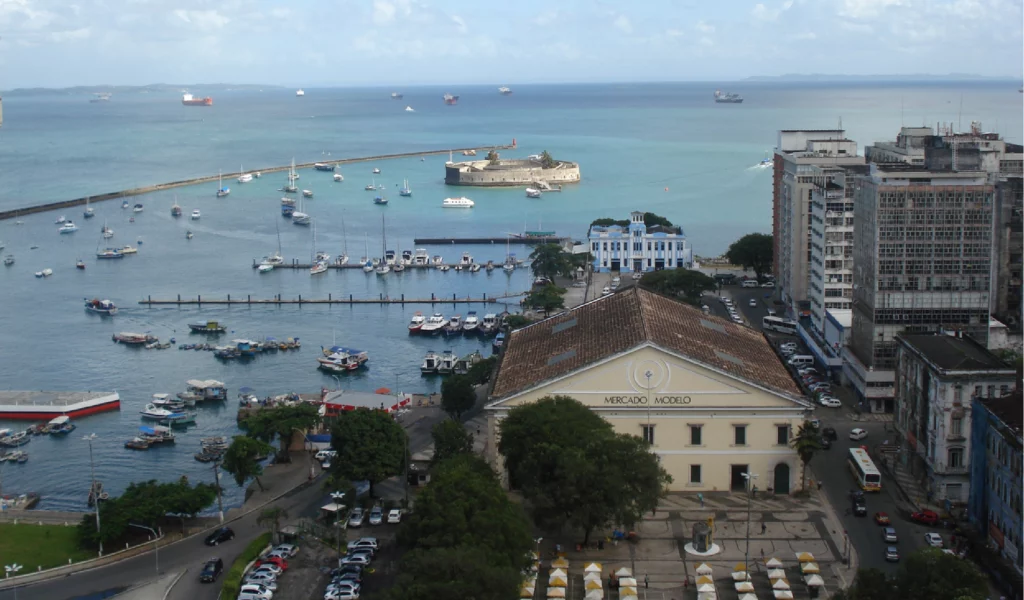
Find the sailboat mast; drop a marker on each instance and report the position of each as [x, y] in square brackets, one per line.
[384, 235]
[344, 238]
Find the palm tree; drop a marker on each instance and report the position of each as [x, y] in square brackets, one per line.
[272, 516]
[806, 443]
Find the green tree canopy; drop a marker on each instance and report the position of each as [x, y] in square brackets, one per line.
[272, 517]
[549, 260]
[546, 298]
[457, 396]
[240, 459]
[517, 321]
[649, 220]
[928, 574]
[678, 283]
[450, 439]
[492, 157]
[145, 503]
[752, 251]
[281, 422]
[370, 446]
[459, 572]
[480, 372]
[546, 161]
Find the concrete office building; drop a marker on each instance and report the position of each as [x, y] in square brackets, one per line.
[639, 248]
[803, 158]
[922, 263]
[711, 397]
[908, 147]
[936, 377]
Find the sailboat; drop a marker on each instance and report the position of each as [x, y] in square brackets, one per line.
[276, 258]
[343, 258]
[89, 212]
[319, 266]
[175, 209]
[106, 231]
[299, 217]
[290, 187]
[367, 263]
[382, 266]
[373, 186]
[221, 190]
[243, 177]
[510, 259]
[406, 190]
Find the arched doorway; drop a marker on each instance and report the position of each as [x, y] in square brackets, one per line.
[781, 478]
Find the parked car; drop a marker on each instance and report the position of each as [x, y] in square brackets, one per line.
[933, 539]
[820, 386]
[356, 576]
[265, 579]
[284, 550]
[889, 535]
[355, 559]
[892, 554]
[926, 517]
[858, 434]
[275, 561]
[211, 570]
[830, 402]
[254, 591]
[395, 516]
[343, 585]
[606, 290]
[326, 455]
[356, 518]
[347, 569]
[341, 595]
[376, 515]
[223, 534]
[364, 543]
[881, 518]
[830, 433]
[268, 567]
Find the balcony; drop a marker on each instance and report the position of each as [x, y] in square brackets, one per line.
[955, 437]
[951, 470]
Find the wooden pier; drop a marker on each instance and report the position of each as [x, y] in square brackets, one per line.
[280, 300]
[28, 210]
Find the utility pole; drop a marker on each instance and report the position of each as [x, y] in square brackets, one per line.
[156, 543]
[216, 482]
[750, 477]
[93, 491]
[407, 471]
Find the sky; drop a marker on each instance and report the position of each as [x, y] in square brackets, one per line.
[57, 43]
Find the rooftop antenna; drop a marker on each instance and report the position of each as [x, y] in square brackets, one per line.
[959, 114]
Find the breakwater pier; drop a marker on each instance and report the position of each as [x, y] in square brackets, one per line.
[330, 299]
[28, 210]
[527, 240]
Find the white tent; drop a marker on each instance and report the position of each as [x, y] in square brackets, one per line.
[773, 563]
[814, 581]
[557, 573]
[592, 577]
[707, 587]
[594, 595]
[748, 596]
[741, 576]
[707, 596]
[744, 586]
[809, 567]
[624, 572]
[556, 592]
[783, 595]
[804, 557]
[780, 584]
[776, 574]
[593, 567]
[627, 582]
[704, 569]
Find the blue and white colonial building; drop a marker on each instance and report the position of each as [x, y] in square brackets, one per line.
[638, 248]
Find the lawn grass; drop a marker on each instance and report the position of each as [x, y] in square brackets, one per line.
[34, 546]
[233, 577]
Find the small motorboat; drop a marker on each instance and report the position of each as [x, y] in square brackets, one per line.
[137, 208]
[8, 260]
[443, 268]
[124, 204]
[339, 177]
[376, 171]
[136, 444]
[196, 215]
[152, 411]
[265, 267]
[532, 193]
[416, 323]
[307, 193]
[129, 250]
[101, 307]
[80, 265]
[188, 235]
[44, 273]
[67, 227]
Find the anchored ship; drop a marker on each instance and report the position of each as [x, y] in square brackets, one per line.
[190, 100]
[727, 98]
[451, 100]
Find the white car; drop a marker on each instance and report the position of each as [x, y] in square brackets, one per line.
[753, 303]
[255, 590]
[858, 434]
[265, 579]
[933, 539]
[326, 455]
[606, 290]
[830, 402]
[768, 284]
[341, 594]
[269, 567]
[284, 550]
[362, 560]
[369, 543]
[395, 516]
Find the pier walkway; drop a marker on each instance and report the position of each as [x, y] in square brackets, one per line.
[28, 210]
[330, 299]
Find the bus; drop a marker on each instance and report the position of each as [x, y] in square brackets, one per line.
[864, 471]
[778, 324]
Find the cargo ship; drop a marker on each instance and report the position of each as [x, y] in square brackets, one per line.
[451, 100]
[727, 98]
[190, 100]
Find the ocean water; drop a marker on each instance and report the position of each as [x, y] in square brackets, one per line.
[662, 148]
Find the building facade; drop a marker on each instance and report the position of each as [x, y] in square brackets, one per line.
[711, 397]
[936, 378]
[908, 147]
[638, 248]
[922, 263]
[803, 159]
[995, 500]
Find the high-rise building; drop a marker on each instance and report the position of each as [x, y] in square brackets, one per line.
[922, 260]
[803, 158]
[908, 147]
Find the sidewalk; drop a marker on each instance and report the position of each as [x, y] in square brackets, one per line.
[153, 590]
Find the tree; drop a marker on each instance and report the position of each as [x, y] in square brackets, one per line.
[450, 439]
[752, 251]
[272, 516]
[371, 446]
[457, 396]
[608, 222]
[931, 574]
[514, 322]
[459, 572]
[806, 442]
[870, 584]
[186, 501]
[546, 161]
[281, 422]
[546, 298]
[650, 219]
[685, 283]
[241, 459]
[481, 370]
[492, 157]
[548, 260]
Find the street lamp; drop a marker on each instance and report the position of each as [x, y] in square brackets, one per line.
[13, 569]
[337, 497]
[156, 543]
[749, 477]
[648, 374]
[95, 495]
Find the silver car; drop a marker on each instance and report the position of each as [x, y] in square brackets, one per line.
[356, 518]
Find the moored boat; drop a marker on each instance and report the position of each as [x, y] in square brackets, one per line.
[137, 443]
[61, 425]
[324, 167]
[489, 326]
[471, 323]
[207, 327]
[430, 362]
[416, 323]
[532, 192]
[103, 307]
[433, 324]
[462, 202]
[152, 411]
[44, 273]
[453, 326]
[68, 227]
[343, 359]
[446, 364]
[109, 253]
[133, 339]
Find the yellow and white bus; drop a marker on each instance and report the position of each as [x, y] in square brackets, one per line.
[864, 470]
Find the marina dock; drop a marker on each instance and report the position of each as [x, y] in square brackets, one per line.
[28, 210]
[278, 300]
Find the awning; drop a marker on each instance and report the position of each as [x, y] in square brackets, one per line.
[555, 581]
[593, 585]
[557, 573]
[559, 563]
[741, 576]
[776, 574]
[707, 587]
[783, 595]
[705, 579]
[624, 572]
[780, 584]
[744, 586]
[593, 567]
[556, 592]
[627, 582]
[594, 595]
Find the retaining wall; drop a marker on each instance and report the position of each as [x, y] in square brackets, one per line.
[476, 173]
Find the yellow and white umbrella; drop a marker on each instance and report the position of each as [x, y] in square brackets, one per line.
[557, 582]
[707, 596]
[780, 584]
[804, 557]
[809, 567]
[627, 582]
[592, 577]
[783, 595]
[773, 563]
[559, 563]
[741, 576]
[705, 579]
[707, 587]
[593, 585]
[557, 573]
[814, 581]
[704, 569]
[556, 592]
[744, 586]
[594, 567]
[624, 572]
[776, 574]
[627, 591]
[594, 595]
[748, 596]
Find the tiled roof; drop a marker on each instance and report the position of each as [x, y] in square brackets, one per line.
[611, 325]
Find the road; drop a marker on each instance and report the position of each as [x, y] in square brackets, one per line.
[191, 553]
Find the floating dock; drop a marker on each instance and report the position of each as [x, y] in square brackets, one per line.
[47, 405]
[330, 299]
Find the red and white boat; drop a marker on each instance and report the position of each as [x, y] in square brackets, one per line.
[47, 405]
[417, 322]
[451, 100]
[190, 100]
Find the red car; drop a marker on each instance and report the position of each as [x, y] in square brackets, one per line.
[927, 517]
[881, 518]
[274, 560]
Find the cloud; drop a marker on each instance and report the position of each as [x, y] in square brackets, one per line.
[855, 27]
[763, 13]
[864, 9]
[546, 18]
[383, 12]
[622, 23]
[704, 27]
[19, 12]
[808, 35]
[69, 36]
[205, 20]
[459, 23]
[674, 33]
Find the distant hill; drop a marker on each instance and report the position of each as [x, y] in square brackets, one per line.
[138, 89]
[796, 77]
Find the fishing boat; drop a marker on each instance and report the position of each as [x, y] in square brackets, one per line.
[80, 265]
[102, 307]
[243, 177]
[44, 273]
[307, 194]
[221, 190]
[433, 324]
[469, 327]
[129, 250]
[13, 440]
[447, 363]
[109, 253]
[203, 390]
[67, 227]
[179, 419]
[61, 425]
[466, 260]
[207, 327]
[339, 177]
[137, 443]
[156, 435]
[430, 363]
[457, 203]
[416, 323]
[532, 193]
[406, 190]
[89, 211]
[138, 207]
[152, 411]
[489, 326]
[453, 326]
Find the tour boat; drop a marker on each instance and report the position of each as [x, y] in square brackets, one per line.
[339, 177]
[152, 411]
[447, 364]
[433, 324]
[138, 207]
[68, 227]
[110, 253]
[61, 425]
[466, 260]
[457, 203]
[532, 193]
[196, 215]
[44, 273]
[453, 326]
[60, 220]
[103, 307]
[416, 323]
[471, 323]
[430, 363]
[380, 200]
[89, 211]
[406, 190]
[221, 190]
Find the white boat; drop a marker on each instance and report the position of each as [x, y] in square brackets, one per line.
[221, 190]
[320, 260]
[293, 175]
[434, 323]
[389, 256]
[265, 267]
[406, 257]
[188, 235]
[457, 203]
[471, 323]
[466, 260]
[152, 411]
[68, 227]
[398, 268]
[421, 259]
[396, 95]
[129, 250]
[376, 171]
[437, 260]
[8, 260]
[406, 190]
[300, 93]
[532, 193]
[368, 266]
[300, 218]
[447, 364]
[307, 193]
[339, 177]
[60, 220]
[243, 177]
[89, 211]
[473, 268]
[318, 267]
[382, 268]
[409, 109]
[138, 207]
[430, 362]
[416, 323]
[504, 91]
[365, 260]
[196, 215]
[274, 259]
[509, 266]
[44, 273]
